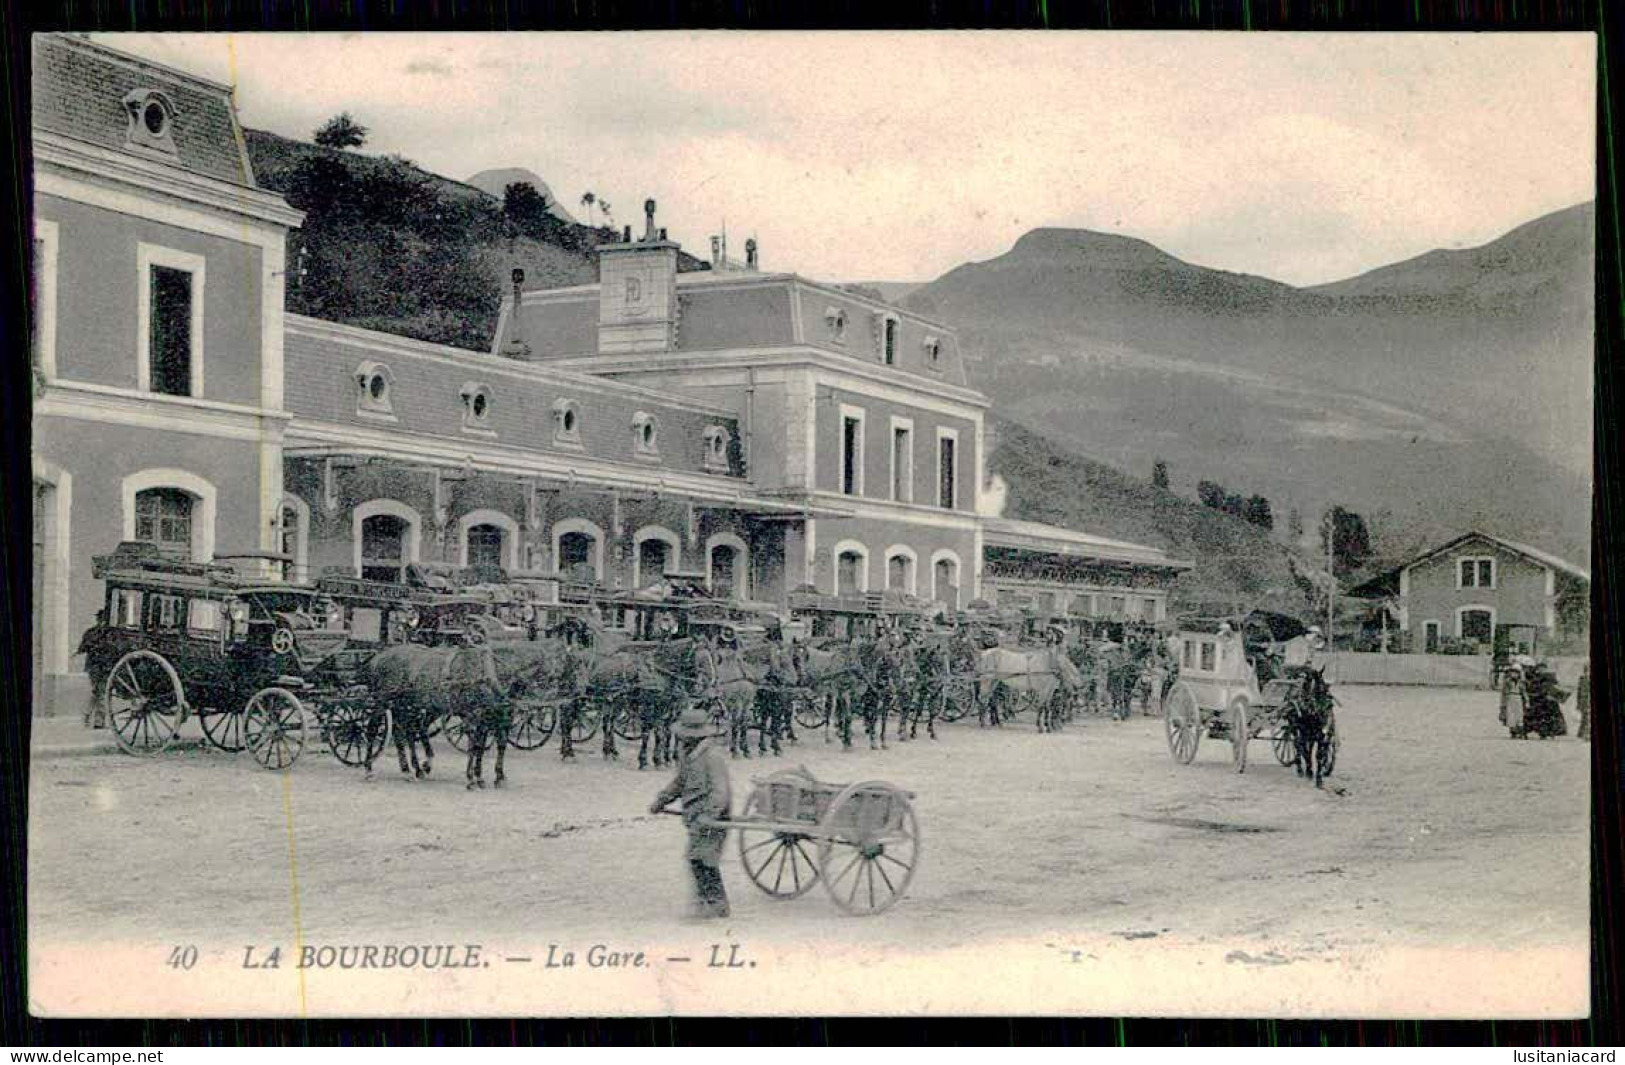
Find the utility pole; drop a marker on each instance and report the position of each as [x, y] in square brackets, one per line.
[1331, 578]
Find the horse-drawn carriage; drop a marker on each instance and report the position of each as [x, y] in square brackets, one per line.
[1227, 693]
[863, 839]
[1532, 700]
[247, 655]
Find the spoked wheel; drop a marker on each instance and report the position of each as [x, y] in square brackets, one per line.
[457, 732]
[812, 710]
[356, 732]
[1239, 734]
[145, 703]
[223, 729]
[628, 723]
[533, 725]
[782, 864]
[958, 696]
[1284, 744]
[274, 727]
[1328, 755]
[584, 725]
[870, 847]
[1182, 721]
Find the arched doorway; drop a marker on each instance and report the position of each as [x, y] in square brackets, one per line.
[724, 568]
[485, 547]
[900, 574]
[383, 547]
[945, 582]
[851, 577]
[652, 558]
[578, 556]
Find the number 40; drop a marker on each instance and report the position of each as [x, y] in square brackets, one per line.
[182, 957]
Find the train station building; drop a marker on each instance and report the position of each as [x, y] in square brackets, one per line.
[766, 431]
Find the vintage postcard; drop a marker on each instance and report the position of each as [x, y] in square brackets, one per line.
[841, 523]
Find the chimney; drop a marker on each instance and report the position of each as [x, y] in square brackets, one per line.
[637, 291]
[517, 347]
[716, 252]
[750, 254]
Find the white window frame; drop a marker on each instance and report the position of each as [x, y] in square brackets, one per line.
[1480, 607]
[858, 415]
[46, 232]
[394, 508]
[510, 535]
[854, 547]
[1475, 560]
[891, 322]
[586, 528]
[674, 551]
[562, 437]
[383, 407]
[148, 256]
[642, 420]
[906, 424]
[301, 533]
[477, 423]
[204, 496]
[948, 434]
[716, 448]
[903, 551]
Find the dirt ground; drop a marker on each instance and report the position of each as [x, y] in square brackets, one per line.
[1443, 869]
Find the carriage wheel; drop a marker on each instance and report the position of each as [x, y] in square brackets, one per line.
[274, 727]
[1182, 721]
[870, 847]
[812, 710]
[1328, 754]
[1239, 734]
[628, 722]
[584, 725]
[223, 729]
[457, 732]
[145, 703]
[782, 864]
[958, 697]
[356, 732]
[1284, 744]
[533, 725]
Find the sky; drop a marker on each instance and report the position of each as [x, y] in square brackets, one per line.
[871, 156]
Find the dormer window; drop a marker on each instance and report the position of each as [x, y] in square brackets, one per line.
[374, 382]
[716, 447]
[933, 351]
[645, 434]
[566, 423]
[152, 119]
[476, 406]
[835, 319]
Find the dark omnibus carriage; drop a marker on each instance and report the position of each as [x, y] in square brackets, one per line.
[175, 638]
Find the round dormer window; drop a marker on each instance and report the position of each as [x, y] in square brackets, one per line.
[479, 404]
[155, 118]
[648, 432]
[377, 387]
[569, 420]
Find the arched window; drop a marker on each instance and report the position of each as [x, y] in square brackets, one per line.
[945, 579]
[386, 539]
[645, 434]
[657, 550]
[172, 508]
[293, 537]
[851, 568]
[163, 516]
[900, 569]
[727, 566]
[488, 540]
[485, 546]
[383, 547]
[578, 550]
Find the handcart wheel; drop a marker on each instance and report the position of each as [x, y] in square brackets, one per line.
[145, 703]
[869, 847]
[782, 864]
[274, 727]
[1182, 722]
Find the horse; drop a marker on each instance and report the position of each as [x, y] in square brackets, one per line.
[835, 673]
[776, 673]
[420, 685]
[931, 662]
[1045, 674]
[639, 679]
[1309, 714]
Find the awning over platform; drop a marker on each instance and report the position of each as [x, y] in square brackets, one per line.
[1039, 538]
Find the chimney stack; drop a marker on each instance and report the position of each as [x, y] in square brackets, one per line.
[649, 220]
[750, 254]
[626, 237]
[517, 347]
[637, 291]
[716, 252]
